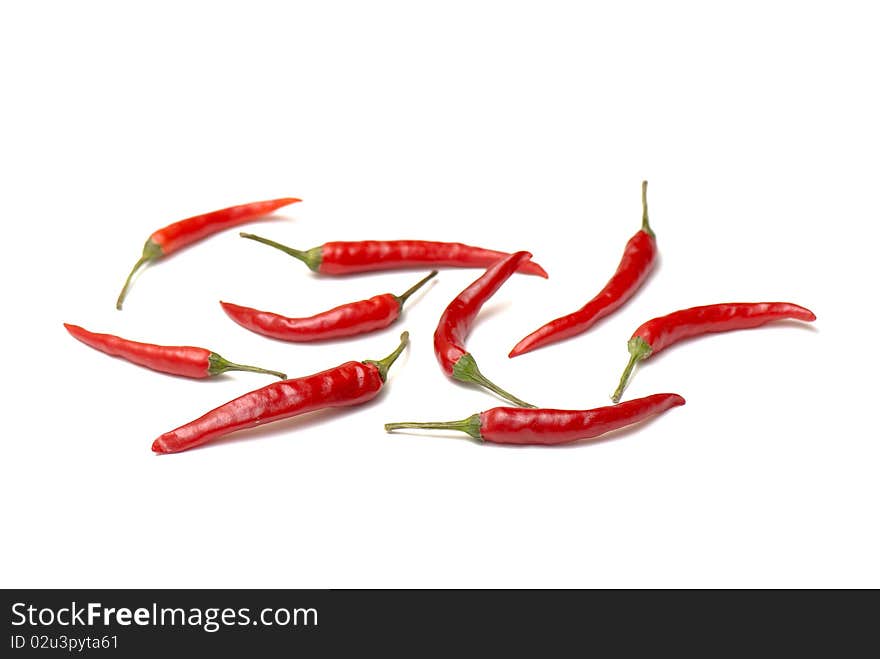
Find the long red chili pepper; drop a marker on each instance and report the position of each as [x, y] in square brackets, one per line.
[513, 425]
[456, 322]
[185, 232]
[343, 258]
[351, 383]
[659, 333]
[345, 320]
[638, 259]
[187, 361]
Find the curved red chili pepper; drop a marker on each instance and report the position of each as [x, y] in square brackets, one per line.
[178, 235]
[456, 322]
[344, 258]
[659, 333]
[351, 383]
[345, 320]
[549, 427]
[638, 259]
[187, 361]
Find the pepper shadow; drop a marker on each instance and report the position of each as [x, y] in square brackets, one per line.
[489, 312]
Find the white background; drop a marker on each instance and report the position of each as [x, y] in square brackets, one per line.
[507, 125]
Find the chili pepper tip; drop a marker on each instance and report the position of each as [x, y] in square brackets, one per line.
[539, 270]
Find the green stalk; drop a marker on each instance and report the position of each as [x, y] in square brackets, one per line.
[470, 426]
[311, 257]
[645, 226]
[384, 364]
[639, 349]
[403, 297]
[218, 365]
[151, 252]
[466, 370]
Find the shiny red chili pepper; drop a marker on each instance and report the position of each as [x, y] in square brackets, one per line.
[343, 258]
[185, 232]
[638, 259]
[456, 322]
[187, 361]
[513, 425]
[345, 320]
[351, 383]
[659, 333]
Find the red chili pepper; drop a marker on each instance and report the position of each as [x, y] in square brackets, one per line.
[185, 232]
[638, 259]
[351, 383]
[659, 333]
[456, 321]
[187, 361]
[343, 258]
[513, 425]
[345, 320]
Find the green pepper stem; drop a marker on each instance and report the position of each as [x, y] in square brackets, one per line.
[645, 226]
[639, 349]
[384, 364]
[152, 251]
[405, 296]
[311, 257]
[218, 365]
[469, 426]
[466, 370]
